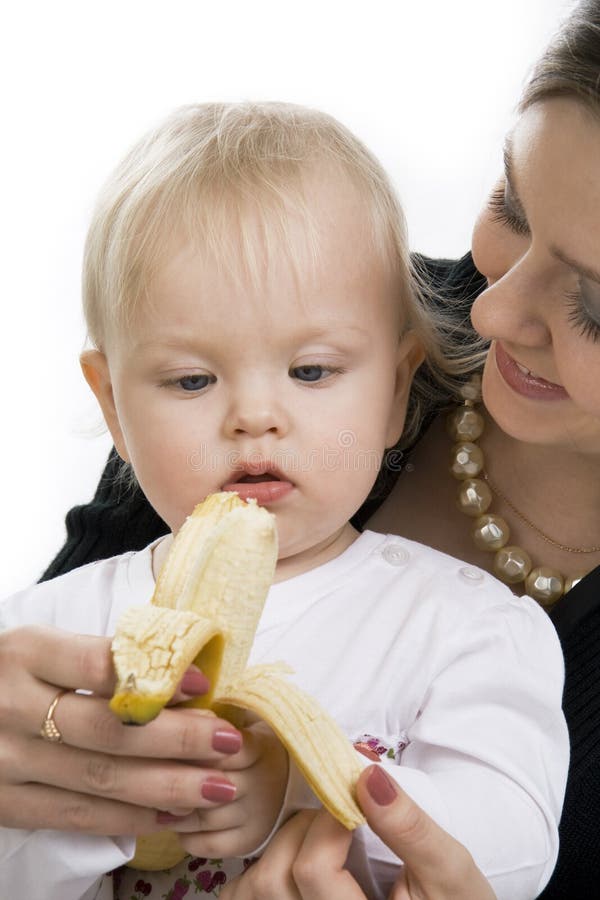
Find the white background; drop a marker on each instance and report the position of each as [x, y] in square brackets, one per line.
[429, 85]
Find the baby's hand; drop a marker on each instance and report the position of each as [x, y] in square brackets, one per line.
[259, 772]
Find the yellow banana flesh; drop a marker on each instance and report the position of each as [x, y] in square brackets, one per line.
[154, 647]
[176, 568]
[319, 748]
[205, 610]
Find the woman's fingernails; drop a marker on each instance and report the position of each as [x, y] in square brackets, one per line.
[218, 790]
[167, 818]
[194, 683]
[227, 740]
[381, 787]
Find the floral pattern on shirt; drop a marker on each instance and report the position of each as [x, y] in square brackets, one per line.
[194, 875]
[375, 748]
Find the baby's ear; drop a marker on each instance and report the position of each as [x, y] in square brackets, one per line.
[410, 355]
[96, 372]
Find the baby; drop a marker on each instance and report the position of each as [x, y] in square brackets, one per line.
[256, 328]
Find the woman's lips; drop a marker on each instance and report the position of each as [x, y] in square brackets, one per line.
[524, 382]
[264, 492]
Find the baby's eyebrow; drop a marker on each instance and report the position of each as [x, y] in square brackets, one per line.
[335, 328]
[162, 343]
[316, 332]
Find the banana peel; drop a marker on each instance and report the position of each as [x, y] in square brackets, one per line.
[205, 610]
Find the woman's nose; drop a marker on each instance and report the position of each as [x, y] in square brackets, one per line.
[513, 308]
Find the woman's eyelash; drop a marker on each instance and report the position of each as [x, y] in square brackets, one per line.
[500, 213]
[579, 318]
[577, 314]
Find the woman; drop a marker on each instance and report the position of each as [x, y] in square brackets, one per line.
[536, 246]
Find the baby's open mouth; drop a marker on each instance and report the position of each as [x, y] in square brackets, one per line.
[265, 488]
[256, 479]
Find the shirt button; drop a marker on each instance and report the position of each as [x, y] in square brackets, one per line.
[395, 555]
[473, 576]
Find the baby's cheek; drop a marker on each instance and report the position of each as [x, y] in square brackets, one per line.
[171, 483]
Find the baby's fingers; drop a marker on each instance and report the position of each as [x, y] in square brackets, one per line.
[318, 870]
[270, 877]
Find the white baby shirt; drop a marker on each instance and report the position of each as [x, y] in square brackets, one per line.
[433, 661]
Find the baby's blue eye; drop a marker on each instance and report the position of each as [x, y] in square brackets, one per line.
[308, 373]
[195, 382]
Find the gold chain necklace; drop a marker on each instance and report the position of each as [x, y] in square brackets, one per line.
[523, 518]
[511, 563]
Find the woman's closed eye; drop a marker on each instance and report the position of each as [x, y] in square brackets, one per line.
[503, 213]
[584, 310]
[313, 373]
[583, 305]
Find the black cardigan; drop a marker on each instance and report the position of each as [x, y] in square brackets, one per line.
[120, 519]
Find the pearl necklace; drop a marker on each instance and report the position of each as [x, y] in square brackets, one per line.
[511, 564]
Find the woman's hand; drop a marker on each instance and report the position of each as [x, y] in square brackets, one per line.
[260, 773]
[305, 860]
[104, 777]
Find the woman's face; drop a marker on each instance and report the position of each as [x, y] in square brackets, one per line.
[538, 244]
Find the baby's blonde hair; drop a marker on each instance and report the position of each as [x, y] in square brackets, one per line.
[205, 170]
[210, 166]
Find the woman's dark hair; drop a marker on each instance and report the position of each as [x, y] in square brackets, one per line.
[570, 66]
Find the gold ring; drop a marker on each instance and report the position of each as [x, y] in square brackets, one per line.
[49, 730]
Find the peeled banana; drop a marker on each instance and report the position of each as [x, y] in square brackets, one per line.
[205, 610]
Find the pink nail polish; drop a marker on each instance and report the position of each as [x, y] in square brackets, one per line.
[195, 683]
[218, 790]
[227, 740]
[381, 787]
